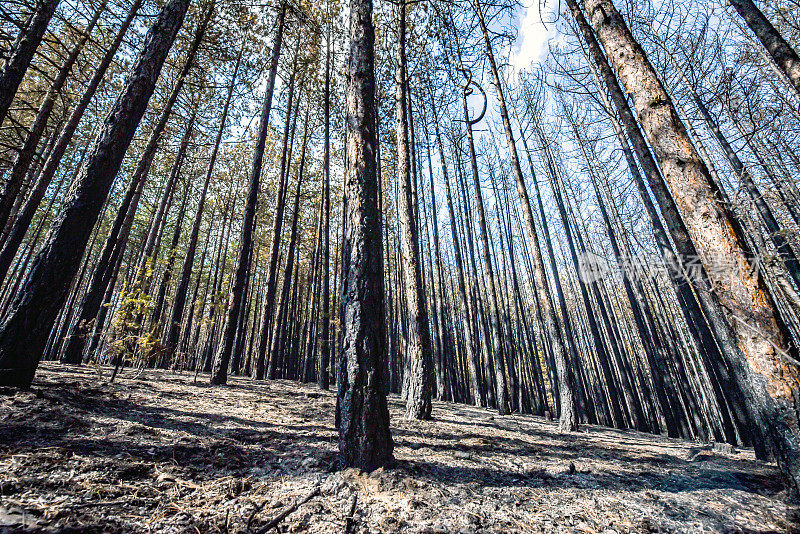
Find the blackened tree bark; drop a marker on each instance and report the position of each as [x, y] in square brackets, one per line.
[24, 48]
[24, 333]
[103, 275]
[693, 289]
[323, 375]
[362, 410]
[222, 357]
[25, 215]
[27, 152]
[496, 333]
[418, 341]
[784, 56]
[117, 240]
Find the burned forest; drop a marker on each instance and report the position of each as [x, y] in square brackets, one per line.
[424, 266]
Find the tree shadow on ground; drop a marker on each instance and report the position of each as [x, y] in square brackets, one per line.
[234, 443]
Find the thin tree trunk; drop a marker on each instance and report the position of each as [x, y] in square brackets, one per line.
[152, 244]
[471, 343]
[692, 286]
[273, 266]
[281, 318]
[178, 305]
[784, 56]
[117, 240]
[418, 341]
[222, 357]
[494, 305]
[323, 377]
[166, 277]
[24, 48]
[27, 152]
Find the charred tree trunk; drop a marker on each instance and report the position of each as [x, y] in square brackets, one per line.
[762, 376]
[362, 411]
[24, 48]
[24, 333]
[418, 342]
[27, 153]
[117, 239]
[781, 52]
[26, 214]
[222, 357]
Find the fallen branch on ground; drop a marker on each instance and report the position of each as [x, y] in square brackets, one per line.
[351, 520]
[272, 523]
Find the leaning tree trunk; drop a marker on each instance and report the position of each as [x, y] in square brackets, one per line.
[27, 153]
[219, 374]
[766, 380]
[25, 215]
[24, 48]
[418, 342]
[117, 239]
[782, 53]
[27, 326]
[281, 318]
[362, 410]
[702, 312]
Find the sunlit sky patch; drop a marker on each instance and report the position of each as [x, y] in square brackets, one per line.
[535, 28]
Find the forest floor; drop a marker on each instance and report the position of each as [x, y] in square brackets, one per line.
[154, 452]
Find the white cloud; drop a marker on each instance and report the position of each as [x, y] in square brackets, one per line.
[532, 34]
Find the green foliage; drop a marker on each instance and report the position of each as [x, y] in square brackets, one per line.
[128, 340]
